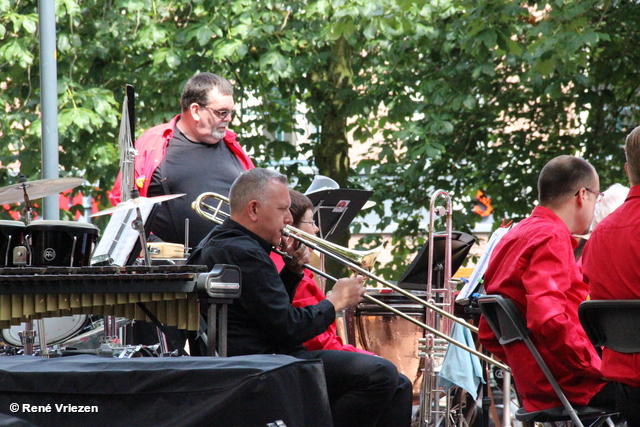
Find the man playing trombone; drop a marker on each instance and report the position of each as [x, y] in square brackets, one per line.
[363, 390]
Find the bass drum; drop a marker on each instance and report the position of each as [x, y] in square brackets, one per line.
[56, 330]
[61, 243]
[388, 335]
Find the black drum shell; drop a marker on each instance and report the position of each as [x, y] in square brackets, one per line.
[11, 235]
[52, 243]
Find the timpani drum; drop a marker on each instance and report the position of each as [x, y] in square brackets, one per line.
[56, 330]
[61, 243]
[11, 236]
[388, 335]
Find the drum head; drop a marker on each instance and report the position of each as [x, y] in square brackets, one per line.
[4, 223]
[59, 225]
[56, 329]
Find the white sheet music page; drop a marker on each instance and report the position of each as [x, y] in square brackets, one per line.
[119, 237]
[481, 266]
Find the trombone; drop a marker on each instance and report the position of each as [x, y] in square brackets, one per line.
[348, 258]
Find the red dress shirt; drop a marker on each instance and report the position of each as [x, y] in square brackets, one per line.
[308, 293]
[533, 265]
[611, 267]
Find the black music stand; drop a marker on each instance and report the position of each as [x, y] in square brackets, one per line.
[334, 209]
[415, 276]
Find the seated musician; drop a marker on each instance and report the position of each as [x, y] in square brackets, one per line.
[363, 390]
[613, 197]
[534, 266]
[611, 267]
[307, 292]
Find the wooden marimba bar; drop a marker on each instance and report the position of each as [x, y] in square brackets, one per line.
[170, 292]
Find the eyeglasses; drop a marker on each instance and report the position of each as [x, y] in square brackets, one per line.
[221, 114]
[599, 195]
[309, 222]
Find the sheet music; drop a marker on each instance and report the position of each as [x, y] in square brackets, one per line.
[119, 237]
[481, 266]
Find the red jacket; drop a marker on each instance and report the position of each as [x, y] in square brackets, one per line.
[151, 148]
[611, 267]
[533, 265]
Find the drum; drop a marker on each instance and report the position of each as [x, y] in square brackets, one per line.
[11, 236]
[164, 253]
[56, 329]
[61, 243]
[388, 335]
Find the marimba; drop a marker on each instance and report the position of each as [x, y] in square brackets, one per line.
[172, 293]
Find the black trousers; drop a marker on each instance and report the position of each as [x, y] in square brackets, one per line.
[628, 401]
[364, 390]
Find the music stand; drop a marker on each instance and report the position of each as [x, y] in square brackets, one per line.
[120, 243]
[334, 209]
[415, 276]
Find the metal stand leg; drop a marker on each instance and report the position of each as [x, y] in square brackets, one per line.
[44, 351]
[217, 326]
[211, 330]
[162, 340]
[28, 338]
[506, 398]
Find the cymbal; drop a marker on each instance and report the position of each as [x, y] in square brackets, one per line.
[138, 202]
[37, 189]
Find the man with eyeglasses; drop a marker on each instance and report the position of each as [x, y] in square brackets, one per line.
[534, 266]
[611, 267]
[193, 153]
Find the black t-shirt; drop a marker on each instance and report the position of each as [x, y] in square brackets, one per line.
[192, 168]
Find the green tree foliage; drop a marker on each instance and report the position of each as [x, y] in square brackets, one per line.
[458, 95]
[499, 88]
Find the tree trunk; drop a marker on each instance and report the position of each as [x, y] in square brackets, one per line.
[331, 154]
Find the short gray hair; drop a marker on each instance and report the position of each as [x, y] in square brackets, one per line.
[252, 185]
[614, 196]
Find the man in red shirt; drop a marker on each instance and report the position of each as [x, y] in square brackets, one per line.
[611, 267]
[533, 265]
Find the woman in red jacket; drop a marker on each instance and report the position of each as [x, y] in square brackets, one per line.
[308, 292]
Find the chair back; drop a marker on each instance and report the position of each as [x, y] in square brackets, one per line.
[503, 318]
[614, 324]
[508, 324]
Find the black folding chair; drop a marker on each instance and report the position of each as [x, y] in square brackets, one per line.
[614, 324]
[508, 324]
